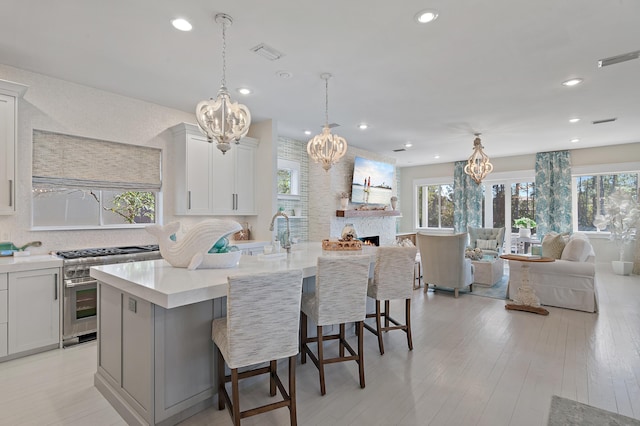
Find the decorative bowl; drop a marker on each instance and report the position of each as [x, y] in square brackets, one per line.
[220, 260]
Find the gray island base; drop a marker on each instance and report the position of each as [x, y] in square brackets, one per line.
[156, 363]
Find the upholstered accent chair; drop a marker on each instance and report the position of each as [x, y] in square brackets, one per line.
[393, 278]
[257, 332]
[443, 261]
[340, 297]
[489, 240]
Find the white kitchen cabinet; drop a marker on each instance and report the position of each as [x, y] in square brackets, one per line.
[208, 182]
[234, 179]
[9, 93]
[3, 315]
[33, 310]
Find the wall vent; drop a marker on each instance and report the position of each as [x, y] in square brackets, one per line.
[606, 120]
[267, 52]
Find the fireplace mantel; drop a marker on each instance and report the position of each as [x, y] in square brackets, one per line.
[367, 213]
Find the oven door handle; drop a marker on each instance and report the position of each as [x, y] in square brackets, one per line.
[71, 283]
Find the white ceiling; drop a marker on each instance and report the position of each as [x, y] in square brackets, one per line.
[493, 67]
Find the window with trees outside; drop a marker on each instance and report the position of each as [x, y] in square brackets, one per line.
[435, 206]
[591, 191]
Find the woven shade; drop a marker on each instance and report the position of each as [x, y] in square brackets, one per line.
[76, 162]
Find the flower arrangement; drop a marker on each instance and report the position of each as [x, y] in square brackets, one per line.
[473, 253]
[344, 194]
[622, 218]
[394, 198]
[524, 222]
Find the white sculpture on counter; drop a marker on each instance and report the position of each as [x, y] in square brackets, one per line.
[190, 251]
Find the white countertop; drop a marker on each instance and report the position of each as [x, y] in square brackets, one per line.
[28, 263]
[160, 283]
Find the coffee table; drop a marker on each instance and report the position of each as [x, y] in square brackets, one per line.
[487, 271]
[525, 298]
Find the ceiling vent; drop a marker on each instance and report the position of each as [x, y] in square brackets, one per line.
[619, 58]
[399, 150]
[267, 52]
[606, 120]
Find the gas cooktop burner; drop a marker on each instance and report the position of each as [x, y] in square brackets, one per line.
[109, 251]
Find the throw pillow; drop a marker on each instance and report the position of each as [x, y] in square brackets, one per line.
[552, 245]
[487, 244]
[576, 250]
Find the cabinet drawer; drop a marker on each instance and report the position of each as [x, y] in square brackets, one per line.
[3, 306]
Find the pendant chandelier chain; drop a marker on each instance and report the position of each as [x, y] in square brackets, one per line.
[223, 82]
[326, 100]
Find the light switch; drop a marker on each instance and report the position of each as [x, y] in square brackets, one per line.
[133, 305]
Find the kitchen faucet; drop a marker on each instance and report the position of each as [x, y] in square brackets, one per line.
[284, 242]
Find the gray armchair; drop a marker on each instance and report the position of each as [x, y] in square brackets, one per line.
[489, 240]
[443, 261]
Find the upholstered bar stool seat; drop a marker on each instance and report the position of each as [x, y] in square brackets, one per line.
[340, 297]
[392, 279]
[262, 325]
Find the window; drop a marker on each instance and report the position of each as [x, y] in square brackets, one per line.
[523, 202]
[435, 206]
[288, 179]
[81, 208]
[82, 183]
[591, 191]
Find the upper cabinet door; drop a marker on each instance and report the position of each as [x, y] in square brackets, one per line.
[198, 169]
[245, 179]
[9, 94]
[7, 154]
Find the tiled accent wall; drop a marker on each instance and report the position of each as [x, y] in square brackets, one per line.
[294, 150]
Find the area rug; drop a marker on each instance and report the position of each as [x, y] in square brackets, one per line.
[497, 291]
[566, 412]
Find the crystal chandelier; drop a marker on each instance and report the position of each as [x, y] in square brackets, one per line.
[326, 148]
[478, 165]
[221, 119]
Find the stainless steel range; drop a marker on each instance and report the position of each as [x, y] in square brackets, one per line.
[80, 300]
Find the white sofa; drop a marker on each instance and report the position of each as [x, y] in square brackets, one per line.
[569, 282]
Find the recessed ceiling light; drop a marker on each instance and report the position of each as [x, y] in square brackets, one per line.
[307, 132]
[284, 74]
[574, 120]
[181, 24]
[426, 16]
[363, 126]
[436, 156]
[575, 140]
[408, 145]
[244, 91]
[572, 82]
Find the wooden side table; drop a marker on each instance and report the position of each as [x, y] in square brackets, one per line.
[525, 298]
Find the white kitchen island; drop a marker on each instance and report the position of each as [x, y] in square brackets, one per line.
[156, 362]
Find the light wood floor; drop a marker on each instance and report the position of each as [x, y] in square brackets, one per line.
[473, 363]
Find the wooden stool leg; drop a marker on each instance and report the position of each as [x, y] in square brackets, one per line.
[379, 328]
[386, 313]
[292, 391]
[303, 338]
[361, 352]
[273, 370]
[407, 321]
[235, 401]
[341, 340]
[220, 380]
[321, 361]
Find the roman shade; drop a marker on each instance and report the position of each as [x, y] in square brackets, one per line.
[75, 162]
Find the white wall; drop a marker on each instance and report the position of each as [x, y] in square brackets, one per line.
[64, 107]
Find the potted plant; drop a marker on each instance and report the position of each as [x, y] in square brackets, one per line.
[623, 215]
[524, 224]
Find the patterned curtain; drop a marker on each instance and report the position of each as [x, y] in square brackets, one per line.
[467, 200]
[553, 192]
